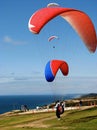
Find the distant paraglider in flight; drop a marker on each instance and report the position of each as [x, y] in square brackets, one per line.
[79, 20]
[52, 5]
[52, 68]
[52, 37]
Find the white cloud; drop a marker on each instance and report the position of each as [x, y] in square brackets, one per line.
[38, 85]
[6, 79]
[10, 40]
[7, 39]
[9, 79]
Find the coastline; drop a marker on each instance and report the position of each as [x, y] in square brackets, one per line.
[14, 102]
[46, 109]
[70, 104]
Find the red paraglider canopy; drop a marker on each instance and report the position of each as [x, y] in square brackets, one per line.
[52, 68]
[76, 18]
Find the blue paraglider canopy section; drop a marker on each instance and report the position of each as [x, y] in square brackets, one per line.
[48, 73]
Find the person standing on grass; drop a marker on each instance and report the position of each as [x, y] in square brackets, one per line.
[59, 109]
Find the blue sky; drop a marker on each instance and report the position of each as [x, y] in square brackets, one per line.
[23, 55]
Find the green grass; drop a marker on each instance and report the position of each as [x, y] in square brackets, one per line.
[70, 120]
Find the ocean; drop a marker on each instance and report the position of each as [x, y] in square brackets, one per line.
[14, 102]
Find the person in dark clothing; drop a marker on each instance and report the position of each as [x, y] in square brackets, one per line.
[57, 109]
[80, 103]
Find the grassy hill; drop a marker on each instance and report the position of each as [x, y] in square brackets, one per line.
[80, 119]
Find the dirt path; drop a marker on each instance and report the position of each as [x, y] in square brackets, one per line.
[37, 123]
